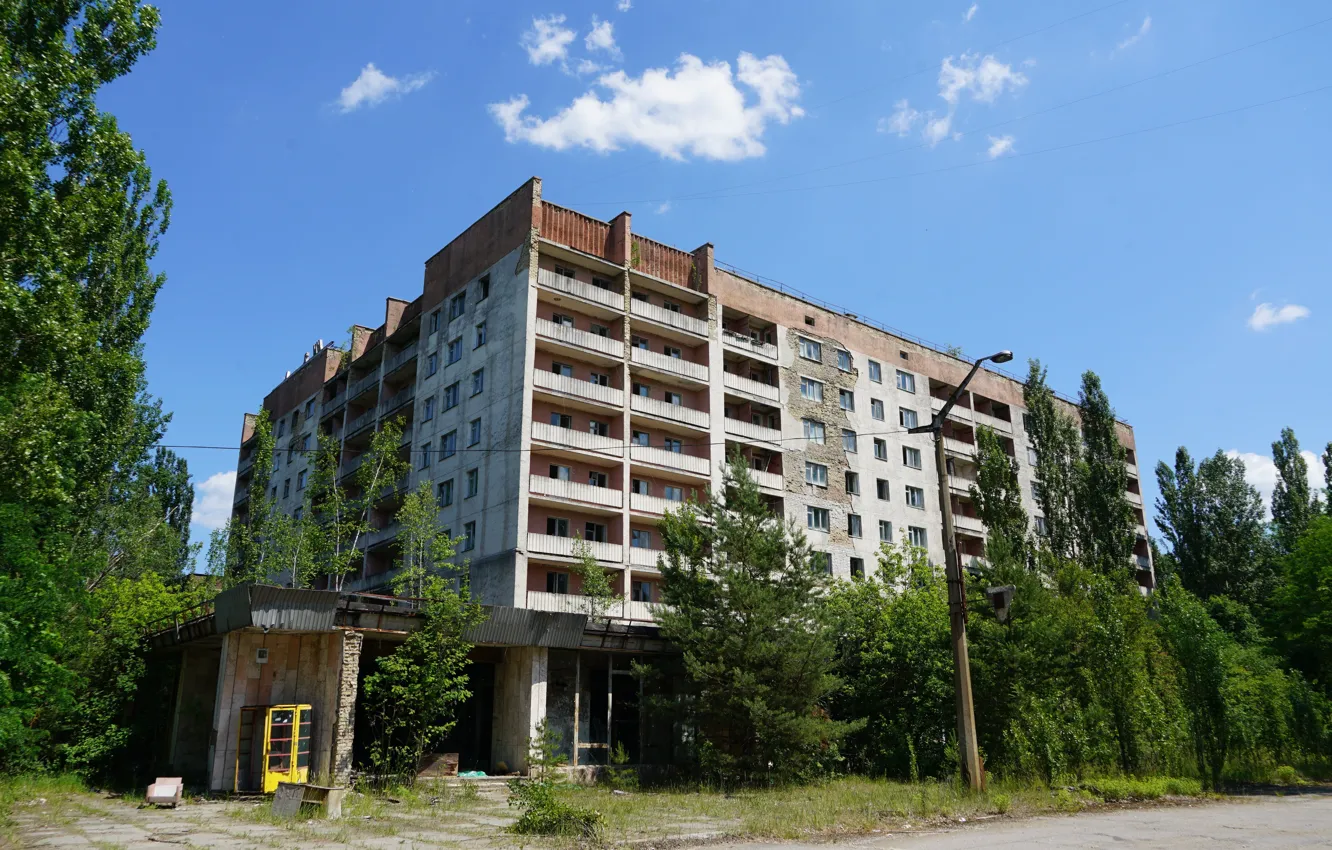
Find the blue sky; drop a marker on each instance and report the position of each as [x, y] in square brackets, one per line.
[988, 175]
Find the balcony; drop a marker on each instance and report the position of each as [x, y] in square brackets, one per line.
[642, 610]
[670, 365]
[749, 347]
[359, 423]
[586, 340]
[1134, 498]
[653, 504]
[548, 544]
[960, 413]
[396, 400]
[576, 388]
[241, 497]
[767, 480]
[574, 491]
[402, 358]
[670, 318]
[569, 438]
[961, 485]
[569, 603]
[350, 466]
[959, 448]
[641, 556]
[586, 291]
[245, 465]
[369, 382]
[671, 460]
[994, 423]
[379, 536]
[674, 412]
[334, 405]
[757, 389]
[770, 437]
[969, 524]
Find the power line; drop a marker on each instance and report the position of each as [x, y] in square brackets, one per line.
[715, 193]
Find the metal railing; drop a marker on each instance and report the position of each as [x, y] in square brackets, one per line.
[366, 383]
[547, 433]
[770, 480]
[575, 491]
[397, 400]
[674, 460]
[679, 321]
[740, 383]
[750, 345]
[549, 544]
[653, 504]
[640, 556]
[676, 412]
[577, 387]
[605, 297]
[666, 363]
[581, 339]
[750, 431]
[402, 357]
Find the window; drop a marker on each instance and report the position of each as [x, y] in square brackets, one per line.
[432, 364]
[594, 532]
[562, 320]
[557, 527]
[474, 432]
[298, 513]
[473, 483]
[847, 399]
[814, 431]
[309, 408]
[561, 420]
[457, 304]
[434, 321]
[599, 378]
[565, 271]
[300, 480]
[641, 591]
[560, 473]
[305, 443]
[424, 461]
[917, 536]
[640, 538]
[674, 398]
[853, 528]
[672, 493]
[600, 330]
[880, 449]
[857, 567]
[453, 353]
[1036, 491]
[596, 479]
[639, 296]
[1031, 456]
[885, 531]
[915, 497]
[882, 489]
[1026, 422]
[282, 427]
[1041, 528]
[843, 360]
[853, 483]
[911, 457]
[811, 350]
[600, 429]
[478, 381]
[903, 354]
[286, 488]
[273, 492]
[906, 382]
[444, 493]
[816, 473]
[816, 518]
[809, 320]
[671, 444]
[672, 352]
[821, 562]
[469, 537]
[811, 389]
[640, 342]
[428, 409]
[643, 390]
[448, 445]
[876, 409]
[557, 582]
[641, 487]
[291, 452]
[602, 283]
[564, 370]
[480, 335]
[484, 285]
[451, 396]
[849, 440]
[640, 438]
[907, 418]
[875, 372]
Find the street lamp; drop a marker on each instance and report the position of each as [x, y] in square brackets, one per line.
[968, 750]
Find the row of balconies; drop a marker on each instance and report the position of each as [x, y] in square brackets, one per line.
[566, 603]
[614, 300]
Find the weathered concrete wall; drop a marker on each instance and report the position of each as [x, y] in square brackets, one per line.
[192, 720]
[344, 718]
[520, 704]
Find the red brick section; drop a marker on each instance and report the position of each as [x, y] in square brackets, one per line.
[578, 231]
[665, 262]
[705, 271]
[303, 383]
[618, 249]
[492, 236]
[395, 314]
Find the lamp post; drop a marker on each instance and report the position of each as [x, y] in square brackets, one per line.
[968, 750]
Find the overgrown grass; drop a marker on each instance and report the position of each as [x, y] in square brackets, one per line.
[47, 798]
[1117, 789]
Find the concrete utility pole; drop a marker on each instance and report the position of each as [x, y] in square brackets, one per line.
[968, 749]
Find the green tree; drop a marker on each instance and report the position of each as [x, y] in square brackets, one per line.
[1213, 521]
[997, 493]
[1304, 604]
[746, 611]
[1292, 506]
[596, 584]
[1054, 436]
[1105, 517]
[1327, 478]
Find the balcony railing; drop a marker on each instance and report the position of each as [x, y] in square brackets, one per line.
[750, 346]
[740, 383]
[575, 491]
[549, 544]
[642, 610]
[377, 536]
[568, 437]
[369, 382]
[673, 460]
[961, 484]
[605, 297]
[640, 556]
[665, 363]
[397, 400]
[676, 412]
[960, 413]
[967, 523]
[994, 423]
[578, 388]
[581, 339]
[569, 603]
[653, 504]
[661, 315]
[959, 447]
[360, 422]
[767, 480]
[403, 357]
[750, 431]
[332, 406]
[1134, 498]
[245, 465]
[351, 465]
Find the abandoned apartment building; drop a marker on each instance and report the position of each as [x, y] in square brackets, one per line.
[617, 374]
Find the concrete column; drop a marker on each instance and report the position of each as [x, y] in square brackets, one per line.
[520, 704]
[344, 717]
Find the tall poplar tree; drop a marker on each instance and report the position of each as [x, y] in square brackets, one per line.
[1054, 436]
[998, 495]
[1104, 517]
[1292, 506]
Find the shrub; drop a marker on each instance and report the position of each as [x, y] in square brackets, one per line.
[544, 813]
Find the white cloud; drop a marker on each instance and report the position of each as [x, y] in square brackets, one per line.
[970, 13]
[587, 66]
[902, 120]
[1137, 36]
[373, 87]
[602, 37]
[1261, 472]
[696, 109]
[548, 40]
[1000, 145]
[663, 207]
[213, 499]
[1266, 316]
[983, 77]
[938, 129]
[624, 5]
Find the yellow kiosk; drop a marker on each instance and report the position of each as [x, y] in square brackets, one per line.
[273, 745]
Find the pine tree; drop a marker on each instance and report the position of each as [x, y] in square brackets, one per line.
[1291, 502]
[1105, 517]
